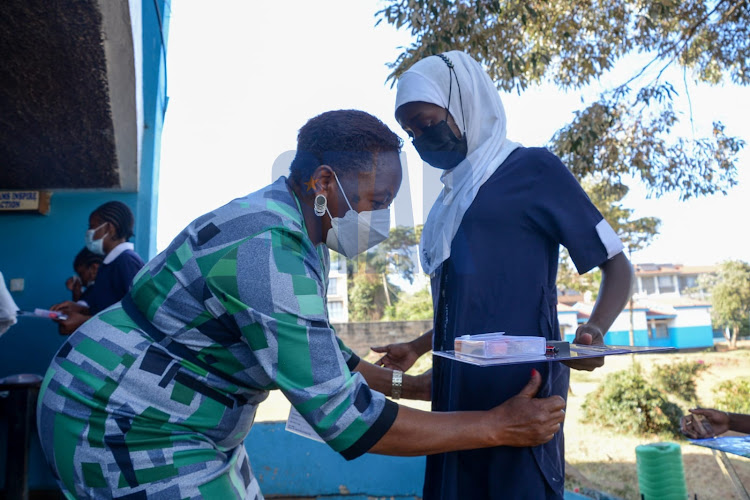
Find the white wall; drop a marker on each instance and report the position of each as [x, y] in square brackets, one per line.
[692, 316]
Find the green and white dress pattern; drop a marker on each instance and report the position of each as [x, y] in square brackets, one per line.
[154, 396]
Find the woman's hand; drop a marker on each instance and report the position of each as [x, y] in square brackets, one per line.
[703, 423]
[524, 420]
[397, 356]
[587, 334]
[69, 308]
[521, 421]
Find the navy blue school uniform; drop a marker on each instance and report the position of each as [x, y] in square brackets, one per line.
[500, 276]
[114, 277]
[88, 292]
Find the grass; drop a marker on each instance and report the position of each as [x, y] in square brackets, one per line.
[600, 459]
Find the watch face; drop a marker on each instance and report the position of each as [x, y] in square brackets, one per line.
[396, 381]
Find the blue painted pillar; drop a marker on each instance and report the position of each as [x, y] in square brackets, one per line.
[155, 19]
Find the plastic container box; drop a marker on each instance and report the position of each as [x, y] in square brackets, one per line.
[499, 345]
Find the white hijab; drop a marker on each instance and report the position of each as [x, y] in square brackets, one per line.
[483, 114]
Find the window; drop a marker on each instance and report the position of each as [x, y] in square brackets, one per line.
[666, 284]
[333, 286]
[658, 330]
[648, 285]
[336, 310]
[688, 281]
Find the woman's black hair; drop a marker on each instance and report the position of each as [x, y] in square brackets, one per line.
[347, 140]
[86, 258]
[119, 215]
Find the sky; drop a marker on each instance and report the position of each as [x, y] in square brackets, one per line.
[245, 76]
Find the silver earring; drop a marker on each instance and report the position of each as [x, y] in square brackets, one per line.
[320, 205]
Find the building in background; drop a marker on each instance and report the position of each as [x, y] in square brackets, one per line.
[669, 309]
[670, 280]
[337, 293]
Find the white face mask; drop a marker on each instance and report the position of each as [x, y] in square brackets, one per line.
[96, 246]
[355, 232]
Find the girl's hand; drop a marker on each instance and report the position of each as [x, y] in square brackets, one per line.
[703, 423]
[71, 323]
[397, 356]
[69, 308]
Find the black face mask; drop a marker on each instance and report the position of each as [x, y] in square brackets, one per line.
[440, 147]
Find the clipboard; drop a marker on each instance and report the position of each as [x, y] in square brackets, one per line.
[577, 351]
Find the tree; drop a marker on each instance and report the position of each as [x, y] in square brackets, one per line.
[399, 251]
[415, 306]
[730, 297]
[629, 130]
[367, 299]
[371, 290]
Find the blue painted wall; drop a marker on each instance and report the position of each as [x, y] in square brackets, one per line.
[662, 342]
[41, 248]
[680, 338]
[287, 464]
[692, 336]
[622, 337]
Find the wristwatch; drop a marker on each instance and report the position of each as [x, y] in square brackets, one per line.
[396, 384]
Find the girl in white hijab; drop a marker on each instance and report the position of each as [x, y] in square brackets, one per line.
[491, 245]
[465, 90]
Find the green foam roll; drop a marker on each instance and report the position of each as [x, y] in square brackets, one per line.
[661, 475]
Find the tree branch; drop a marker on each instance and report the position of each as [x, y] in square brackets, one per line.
[686, 37]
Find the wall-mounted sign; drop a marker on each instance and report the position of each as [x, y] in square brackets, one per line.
[25, 201]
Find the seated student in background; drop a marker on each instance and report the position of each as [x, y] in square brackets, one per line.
[718, 422]
[81, 285]
[110, 228]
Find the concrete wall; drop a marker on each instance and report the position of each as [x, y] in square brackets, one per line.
[359, 337]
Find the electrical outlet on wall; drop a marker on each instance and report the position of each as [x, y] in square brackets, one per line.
[17, 284]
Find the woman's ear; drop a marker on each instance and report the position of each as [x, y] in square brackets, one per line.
[323, 181]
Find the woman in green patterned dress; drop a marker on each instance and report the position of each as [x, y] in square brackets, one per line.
[154, 396]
